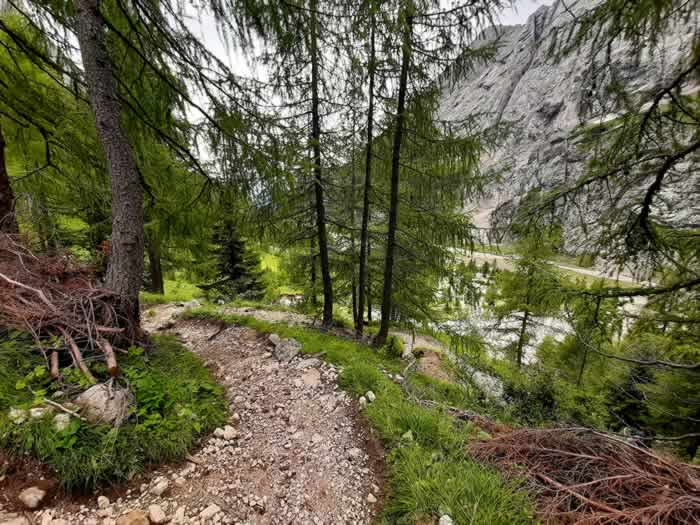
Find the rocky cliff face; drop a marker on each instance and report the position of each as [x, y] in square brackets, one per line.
[546, 102]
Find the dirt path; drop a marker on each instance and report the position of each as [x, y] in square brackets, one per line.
[296, 451]
[507, 262]
[430, 363]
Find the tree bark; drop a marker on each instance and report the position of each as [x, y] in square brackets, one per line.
[318, 173]
[154, 266]
[8, 221]
[521, 338]
[125, 270]
[356, 315]
[369, 282]
[585, 348]
[383, 333]
[364, 231]
[313, 272]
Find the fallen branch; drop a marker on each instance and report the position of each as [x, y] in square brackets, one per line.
[64, 409]
[51, 296]
[581, 476]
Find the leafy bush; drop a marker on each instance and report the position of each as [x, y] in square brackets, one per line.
[177, 401]
[533, 400]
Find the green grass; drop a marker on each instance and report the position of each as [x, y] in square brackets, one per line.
[429, 471]
[425, 484]
[176, 291]
[177, 401]
[450, 394]
[270, 262]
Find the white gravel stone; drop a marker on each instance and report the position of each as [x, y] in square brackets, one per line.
[156, 514]
[32, 497]
[445, 520]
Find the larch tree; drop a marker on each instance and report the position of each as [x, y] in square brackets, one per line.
[429, 40]
[367, 182]
[125, 270]
[301, 43]
[8, 221]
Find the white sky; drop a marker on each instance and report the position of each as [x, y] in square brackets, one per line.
[522, 9]
[205, 28]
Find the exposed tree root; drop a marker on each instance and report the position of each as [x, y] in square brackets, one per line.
[587, 477]
[56, 300]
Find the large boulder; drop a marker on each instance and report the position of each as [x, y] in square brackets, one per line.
[104, 403]
[284, 349]
[32, 497]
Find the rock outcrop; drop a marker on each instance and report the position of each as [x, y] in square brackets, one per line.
[546, 102]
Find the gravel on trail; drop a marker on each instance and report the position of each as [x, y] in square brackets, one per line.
[295, 450]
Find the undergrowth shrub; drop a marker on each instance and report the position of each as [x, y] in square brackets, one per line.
[177, 401]
[393, 348]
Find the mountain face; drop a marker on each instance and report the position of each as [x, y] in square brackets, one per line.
[544, 102]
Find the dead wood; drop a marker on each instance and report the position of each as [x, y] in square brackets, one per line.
[56, 299]
[587, 477]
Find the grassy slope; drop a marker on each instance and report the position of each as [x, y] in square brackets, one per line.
[429, 472]
[176, 291]
[177, 401]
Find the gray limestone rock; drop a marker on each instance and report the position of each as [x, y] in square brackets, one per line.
[547, 103]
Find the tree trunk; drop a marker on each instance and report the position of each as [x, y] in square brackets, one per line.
[364, 231]
[521, 338]
[318, 174]
[356, 315]
[692, 448]
[313, 272]
[154, 266]
[585, 348]
[369, 282]
[394, 201]
[125, 270]
[8, 221]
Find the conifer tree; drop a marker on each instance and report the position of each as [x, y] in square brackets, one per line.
[8, 221]
[125, 270]
[367, 185]
[528, 292]
[429, 37]
[238, 268]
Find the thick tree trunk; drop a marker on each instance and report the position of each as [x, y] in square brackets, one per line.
[318, 173]
[364, 230]
[154, 266]
[394, 201]
[125, 270]
[8, 221]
